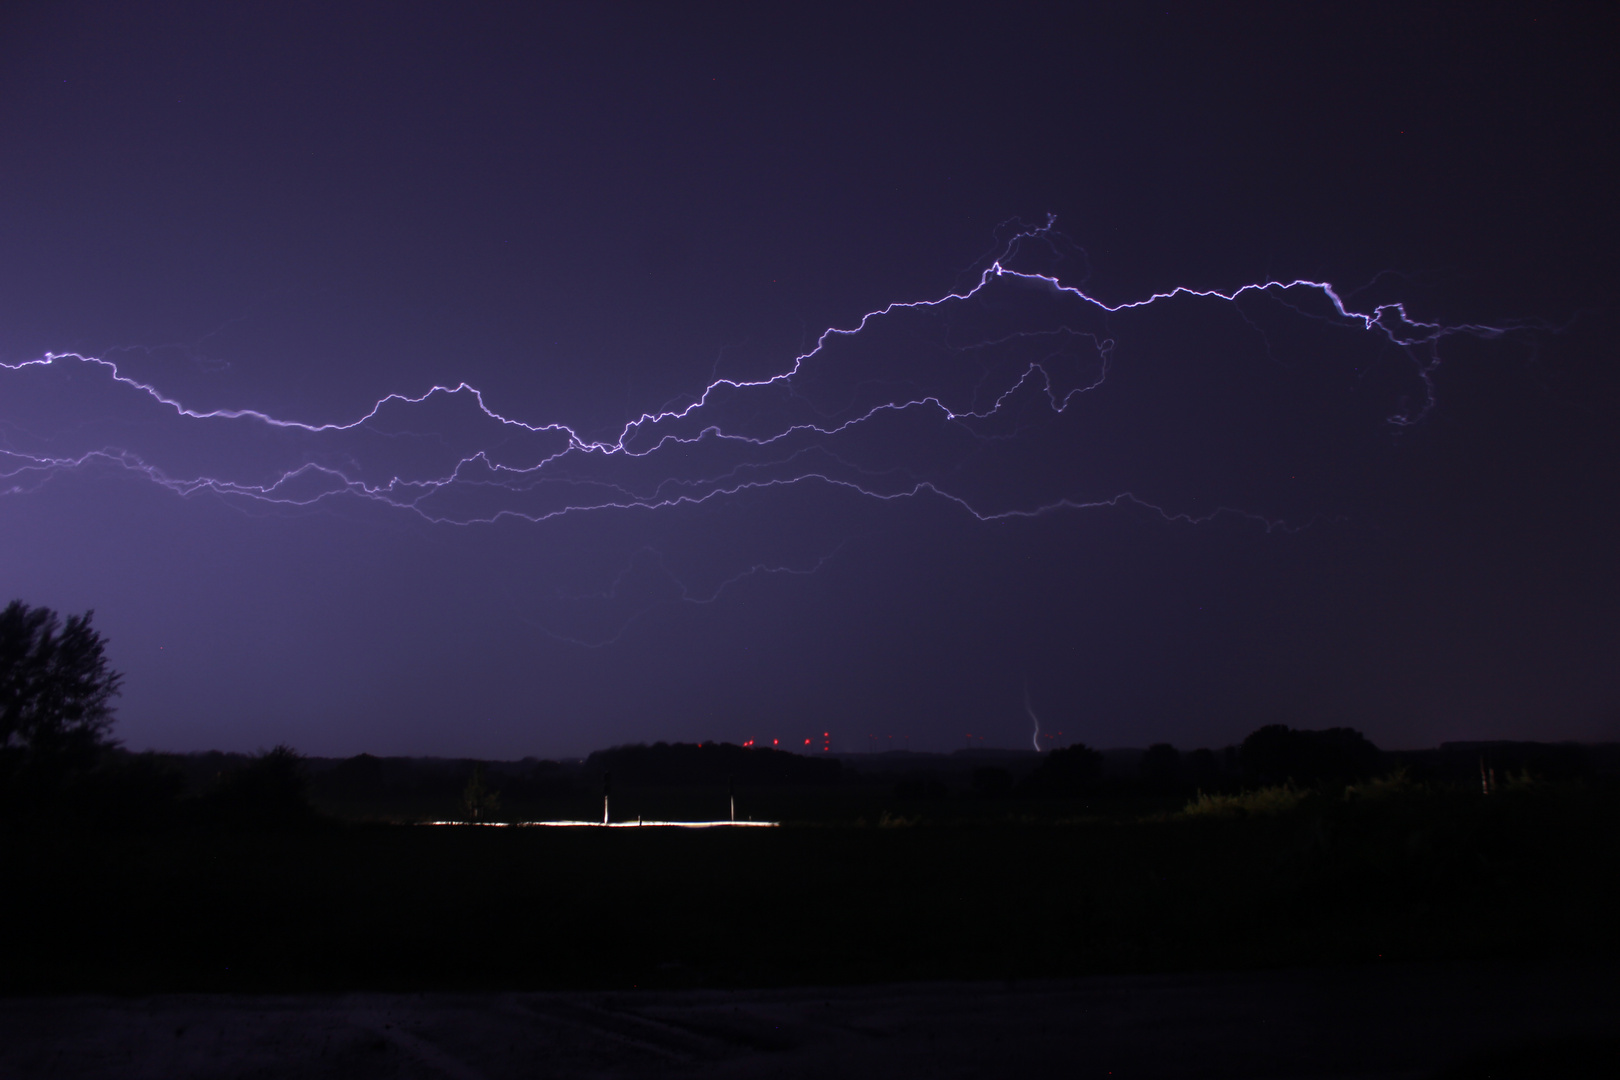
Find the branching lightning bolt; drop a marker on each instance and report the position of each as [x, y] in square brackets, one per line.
[683, 455]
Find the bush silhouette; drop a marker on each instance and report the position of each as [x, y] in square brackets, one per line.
[1272, 801]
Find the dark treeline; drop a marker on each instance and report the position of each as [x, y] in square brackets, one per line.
[279, 788]
[119, 790]
[1273, 755]
[683, 764]
[272, 871]
[691, 779]
[60, 765]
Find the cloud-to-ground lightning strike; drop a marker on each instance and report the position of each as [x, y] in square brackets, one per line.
[735, 436]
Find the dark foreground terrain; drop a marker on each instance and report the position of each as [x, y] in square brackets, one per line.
[1393, 927]
[1379, 873]
[1454, 1021]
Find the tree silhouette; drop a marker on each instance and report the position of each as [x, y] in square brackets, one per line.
[56, 693]
[478, 798]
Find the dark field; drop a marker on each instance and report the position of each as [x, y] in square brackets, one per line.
[1489, 1021]
[986, 889]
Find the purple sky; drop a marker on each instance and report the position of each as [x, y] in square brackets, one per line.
[282, 226]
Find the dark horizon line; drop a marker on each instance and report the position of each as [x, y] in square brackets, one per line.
[1452, 744]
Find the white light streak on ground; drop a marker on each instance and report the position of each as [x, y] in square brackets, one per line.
[615, 824]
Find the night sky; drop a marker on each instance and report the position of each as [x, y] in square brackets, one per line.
[1174, 521]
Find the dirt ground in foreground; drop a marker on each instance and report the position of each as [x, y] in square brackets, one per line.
[1397, 1021]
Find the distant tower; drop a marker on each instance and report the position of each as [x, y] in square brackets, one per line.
[607, 789]
[731, 790]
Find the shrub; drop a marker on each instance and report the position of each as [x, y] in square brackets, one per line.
[1396, 784]
[1266, 801]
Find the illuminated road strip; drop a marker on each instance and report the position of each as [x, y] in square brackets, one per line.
[616, 824]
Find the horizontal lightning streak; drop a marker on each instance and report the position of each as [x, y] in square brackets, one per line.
[312, 482]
